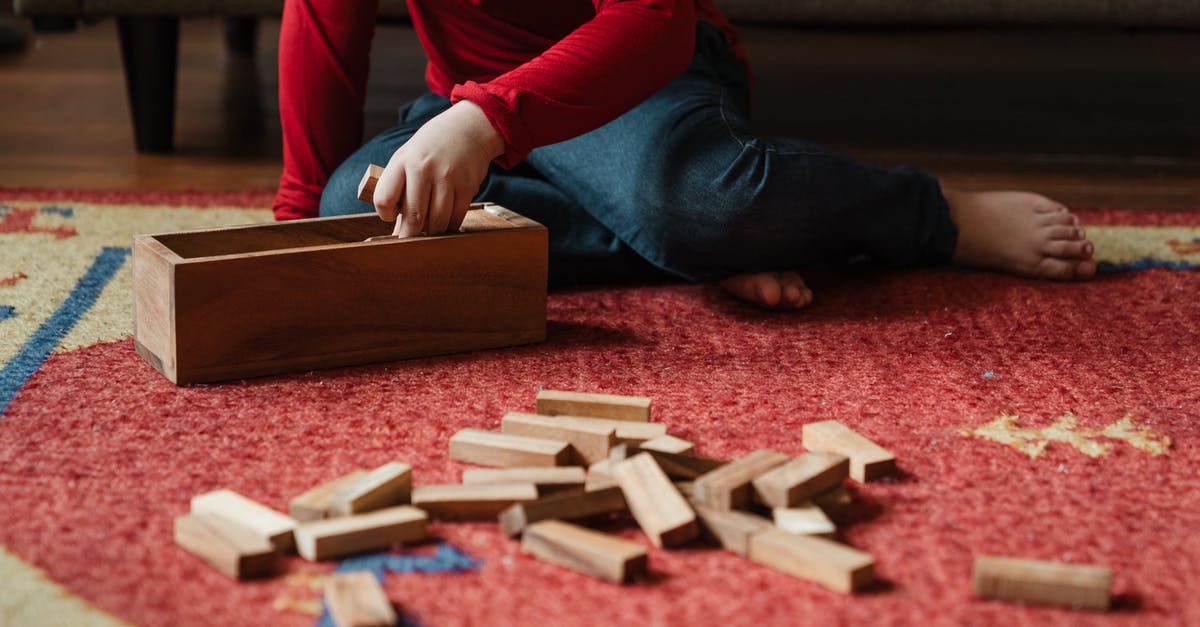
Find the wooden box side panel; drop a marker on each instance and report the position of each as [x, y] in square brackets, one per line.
[272, 313]
[153, 312]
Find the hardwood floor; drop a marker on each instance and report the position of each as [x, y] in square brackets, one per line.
[1094, 118]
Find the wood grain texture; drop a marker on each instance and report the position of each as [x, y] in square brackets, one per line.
[585, 550]
[390, 484]
[357, 599]
[668, 444]
[868, 461]
[272, 298]
[314, 504]
[800, 479]
[728, 487]
[514, 519]
[153, 295]
[731, 529]
[471, 502]
[612, 406]
[267, 523]
[1050, 583]
[662, 513]
[805, 519]
[836, 566]
[225, 545]
[346, 535]
[488, 448]
[589, 442]
[548, 480]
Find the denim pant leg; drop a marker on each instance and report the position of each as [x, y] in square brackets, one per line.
[582, 250]
[682, 180]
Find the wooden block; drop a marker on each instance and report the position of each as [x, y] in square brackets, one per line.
[800, 479]
[357, 599]
[679, 466]
[731, 529]
[471, 502]
[225, 545]
[585, 550]
[631, 433]
[553, 480]
[833, 565]
[488, 448]
[805, 519]
[728, 487]
[599, 476]
[590, 443]
[314, 504]
[686, 488]
[662, 513]
[668, 444]
[390, 484]
[256, 517]
[236, 302]
[372, 531]
[835, 503]
[1051, 583]
[516, 518]
[558, 402]
[366, 186]
[868, 461]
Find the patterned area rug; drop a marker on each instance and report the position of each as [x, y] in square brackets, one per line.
[1029, 419]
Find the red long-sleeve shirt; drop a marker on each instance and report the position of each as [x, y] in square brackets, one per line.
[542, 72]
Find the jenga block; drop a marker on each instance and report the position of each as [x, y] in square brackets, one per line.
[375, 530]
[835, 503]
[662, 513]
[590, 442]
[1051, 583]
[471, 502]
[556, 402]
[314, 504]
[599, 476]
[728, 487]
[686, 488]
[585, 550]
[668, 444]
[680, 466]
[800, 479]
[357, 599]
[805, 519]
[390, 484]
[868, 461]
[731, 529]
[548, 480]
[488, 448]
[627, 432]
[366, 186]
[227, 546]
[833, 565]
[516, 518]
[258, 518]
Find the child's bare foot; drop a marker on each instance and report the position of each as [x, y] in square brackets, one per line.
[1020, 233]
[773, 290]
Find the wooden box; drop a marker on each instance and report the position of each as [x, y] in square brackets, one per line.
[227, 303]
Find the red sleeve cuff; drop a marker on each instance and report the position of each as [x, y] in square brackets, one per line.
[518, 140]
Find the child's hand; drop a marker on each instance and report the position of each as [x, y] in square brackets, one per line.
[430, 181]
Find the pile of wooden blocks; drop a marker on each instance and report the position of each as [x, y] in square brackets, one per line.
[585, 457]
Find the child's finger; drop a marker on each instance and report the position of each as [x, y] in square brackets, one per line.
[387, 193]
[415, 207]
[441, 206]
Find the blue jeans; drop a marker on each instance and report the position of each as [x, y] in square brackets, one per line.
[679, 186]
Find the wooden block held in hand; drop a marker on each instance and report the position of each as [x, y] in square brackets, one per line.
[662, 513]
[835, 503]
[488, 448]
[668, 444]
[804, 519]
[732, 529]
[258, 518]
[800, 479]
[728, 487]
[357, 599]
[471, 502]
[366, 186]
[833, 565]
[549, 480]
[584, 550]
[372, 531]
[516, 518]
[556, 402]
[868, 461]
[314, 504]
[390, 484]
[225, 545]
[1035, 581]
[589, 442]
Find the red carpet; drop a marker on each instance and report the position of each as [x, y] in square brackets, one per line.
[101, 452]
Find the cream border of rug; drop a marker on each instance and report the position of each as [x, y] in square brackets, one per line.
[28, 597]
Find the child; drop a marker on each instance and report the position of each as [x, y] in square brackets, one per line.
[623, 126]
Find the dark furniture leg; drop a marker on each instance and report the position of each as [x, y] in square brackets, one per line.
[149, 51]
[241, 31]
